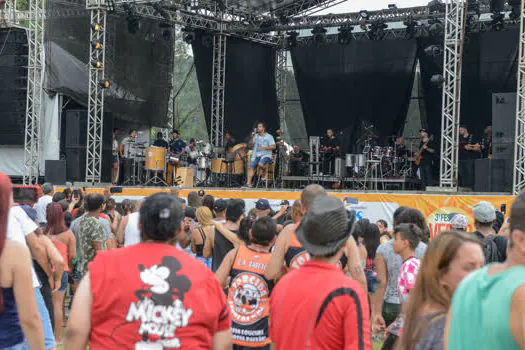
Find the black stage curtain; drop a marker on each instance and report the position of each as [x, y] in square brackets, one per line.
[489, 66]
[139, 66]
[250, 93]
[343, 85]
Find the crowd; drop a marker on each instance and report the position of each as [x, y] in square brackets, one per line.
[166, 273]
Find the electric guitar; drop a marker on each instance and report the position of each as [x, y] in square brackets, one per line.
[419, 155]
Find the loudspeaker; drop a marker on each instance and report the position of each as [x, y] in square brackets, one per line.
[55, 172]
[503, 134]
[490, 176]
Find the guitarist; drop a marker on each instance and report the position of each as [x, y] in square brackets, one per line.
[469, 150]
[426, 156]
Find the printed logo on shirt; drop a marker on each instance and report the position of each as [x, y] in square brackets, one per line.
[245, 295]
[159, 308]
[299, 260]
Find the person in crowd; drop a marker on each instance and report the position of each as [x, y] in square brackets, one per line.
[449, 258]
[68, 193]
[414, 216]
[58, 196]
[208, 201]
[360, 246]
[128, 207]
[220, 240]
[368, 236]
[194, 200]
[494, 246]
[190, 221]
[92, 234]
[243, 237]
[152, 274]
[41, 205]
[406, 239]
[427, 156]
[21, 228]
[488, 306]
[262, 208]
[219, 210]
[459, 222]
[297, 212]
[64, 241]
[498, 223]
[386, 303]
[177, 148]
[129, 231]
[283, 214]
[175, 191]
[383, 230]
[334, 314]
[245, 267]
[113, 214]
[200, 243]
[20, 322]
[289, 254]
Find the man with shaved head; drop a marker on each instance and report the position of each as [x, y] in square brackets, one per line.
[289, 254]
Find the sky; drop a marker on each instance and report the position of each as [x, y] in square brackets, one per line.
[371, 5]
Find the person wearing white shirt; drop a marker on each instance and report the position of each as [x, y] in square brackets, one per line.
[22, 229]
[42, 203]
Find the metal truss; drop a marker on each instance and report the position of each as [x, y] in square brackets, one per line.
[96, 93]
[218, 85]
[280, 82]
[453, 51]
[35, 40]
[519, 143]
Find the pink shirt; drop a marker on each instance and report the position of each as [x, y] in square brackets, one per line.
[407, 277]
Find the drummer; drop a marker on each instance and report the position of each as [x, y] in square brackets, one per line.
[176, 150]
[160, 142]
[229, 141]
[190, 148]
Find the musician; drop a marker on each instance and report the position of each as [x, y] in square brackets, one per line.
[298, 160]
[469, 150]
[263, 145]
[160, 142]
[428, 157]
[191, 147]
[126, 150]
[485, 144]
[176, 149]
[330, 145]
[401, 150]
[114, 157]
[229, 141]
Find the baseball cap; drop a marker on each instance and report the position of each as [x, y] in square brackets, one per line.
[484, 212]
[262, 204]
[459, 222]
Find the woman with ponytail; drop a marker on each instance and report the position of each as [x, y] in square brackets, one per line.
[20, 323]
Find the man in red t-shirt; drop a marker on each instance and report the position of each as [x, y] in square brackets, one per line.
[150, 295]
[317, 306]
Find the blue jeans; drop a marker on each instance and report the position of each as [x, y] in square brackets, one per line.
[64, 281]
[260, 160]
[49, 337]
[21, 346]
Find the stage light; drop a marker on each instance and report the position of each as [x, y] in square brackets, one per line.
[411, 28]
[189, 37]
[363, 14]
[105, 84]
[498, 21]
[97, 64]
[345, 34]
[319, 34]
[363, 27]
[392, 6]
[292, 39]
[110, 6]
[435, 27]
[96, 27]
[377, 29]
[97, 45]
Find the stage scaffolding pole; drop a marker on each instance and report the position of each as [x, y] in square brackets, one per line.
[218, 84]
[35, 68]
[453, 49]
[280, 81]
[96, 90]
[519, 143]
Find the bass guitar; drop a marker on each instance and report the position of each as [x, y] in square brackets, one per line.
[419, 155]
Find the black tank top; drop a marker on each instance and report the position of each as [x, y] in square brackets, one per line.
[221, 247]
[199, 248]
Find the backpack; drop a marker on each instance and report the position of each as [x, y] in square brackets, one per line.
[490, 249]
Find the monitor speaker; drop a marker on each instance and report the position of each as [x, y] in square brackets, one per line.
[490, 175]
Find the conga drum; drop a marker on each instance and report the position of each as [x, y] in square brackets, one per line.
[155, 158]
[218, 166]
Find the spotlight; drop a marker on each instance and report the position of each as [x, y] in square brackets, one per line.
[96, 26]
[437, 80]
[110, 5]
[363, 14]
[411, 28]
[189, 37]
[377, 29]
[97, 64]
[345, 34]
[96, 44]
[319, 34]
[392, 6]
[433, 50]
[498, 21]
[435, 27]
[105, 84]
[292, 39]
[160, 11]
[363, 27]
